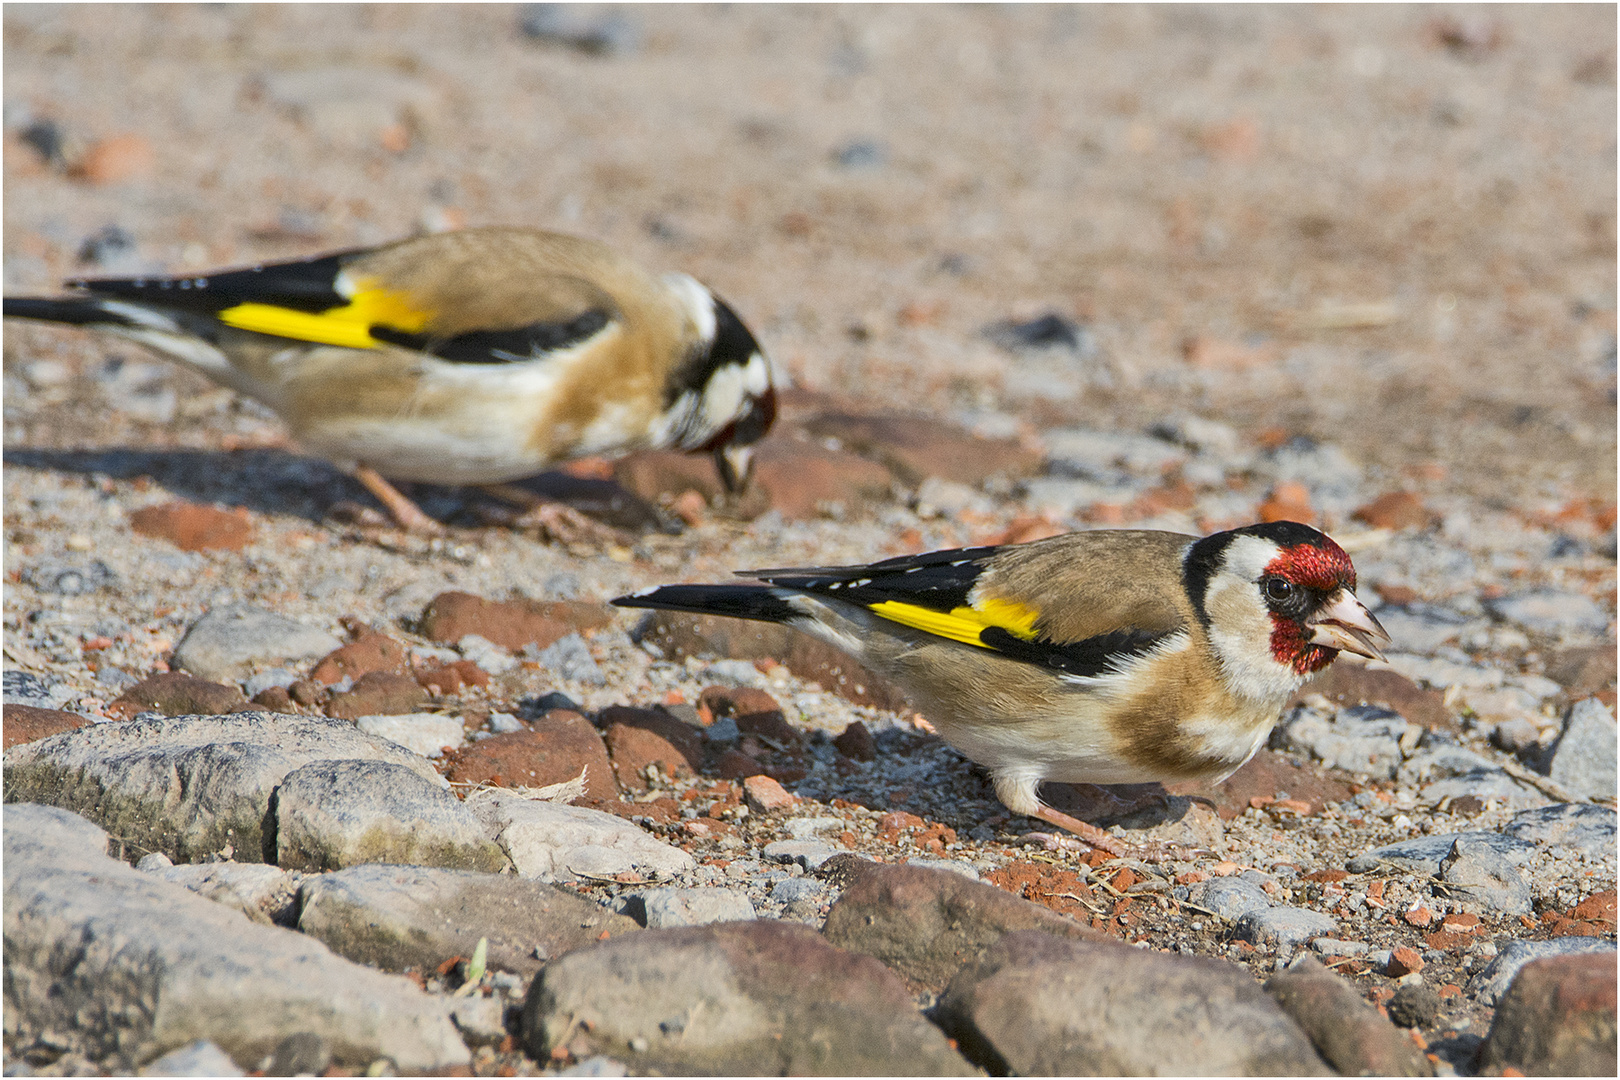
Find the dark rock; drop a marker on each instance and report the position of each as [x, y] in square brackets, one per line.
[1557, 1019]
[303, 1053]
[753, 999]
[554, 748]
[1038, 1005]
[1344, 1028]
[377, 693]
[925, 924]
[174, 694]
[1044, 332]
[856, 742]
[399, 917]
[1414, 1005]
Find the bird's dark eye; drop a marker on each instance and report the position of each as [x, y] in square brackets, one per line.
[1278, 590]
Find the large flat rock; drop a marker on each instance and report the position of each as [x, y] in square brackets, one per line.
[189, 786]
[124, 967]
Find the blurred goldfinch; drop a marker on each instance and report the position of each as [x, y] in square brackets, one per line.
[472, 357]
[1106, 657]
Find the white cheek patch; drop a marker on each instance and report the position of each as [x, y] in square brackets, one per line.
[1240, 633]
[697, 300]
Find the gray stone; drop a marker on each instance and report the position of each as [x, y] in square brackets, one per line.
[228, 642]
[426, 734]
[807, 853]
[1327, 946]
[1284, 928]
[1442, 673]
[661, 909]
[1551, 612]
[789, 890]
[70, 577]
[570, 658]
[597, 1065]
[751, 998]
[189, 786]
[398, 917]
[200, 1058]
[124, 967]
[1476, 878]
[26, 688]
[1492, 783]
[261, 681]
[481, 1020]
[1557, 1019]
[1422, 628]
[1037, 1005]
[554, 842]
[262, 892]
[1490, 984]
[1362, 739]
[333, 814]
[1422, 854]
[1583, 762]
[1231, 897]
[806, 827]
[955, 866]
[1580, 827]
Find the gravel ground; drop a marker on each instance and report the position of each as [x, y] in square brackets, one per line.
[1376, 244]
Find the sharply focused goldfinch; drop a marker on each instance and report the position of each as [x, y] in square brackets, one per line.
[1108, 657]
[472, 357]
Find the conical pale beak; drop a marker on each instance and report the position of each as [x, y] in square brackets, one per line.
[734, 462]
[1344, 623]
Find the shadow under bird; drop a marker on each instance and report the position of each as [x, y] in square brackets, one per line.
[1106, 657]
[471, 357]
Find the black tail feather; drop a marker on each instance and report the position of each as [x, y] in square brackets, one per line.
[71, 311]
[761, 603]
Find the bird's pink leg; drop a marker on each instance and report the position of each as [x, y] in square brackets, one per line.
[405, 513]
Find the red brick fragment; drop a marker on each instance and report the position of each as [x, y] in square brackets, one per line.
[765, 795]
[1404, 960]
[194, 527]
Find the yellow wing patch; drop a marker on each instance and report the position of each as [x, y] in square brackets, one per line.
[348, 326]
[963, 624]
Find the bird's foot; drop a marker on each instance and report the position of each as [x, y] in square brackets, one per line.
[406, 514]
[555, 521]
[1087, 837]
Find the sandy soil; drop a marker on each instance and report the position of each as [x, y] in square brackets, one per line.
[1393, 226]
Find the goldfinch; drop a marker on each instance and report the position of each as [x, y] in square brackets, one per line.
[1107, 657]
[472, 357]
